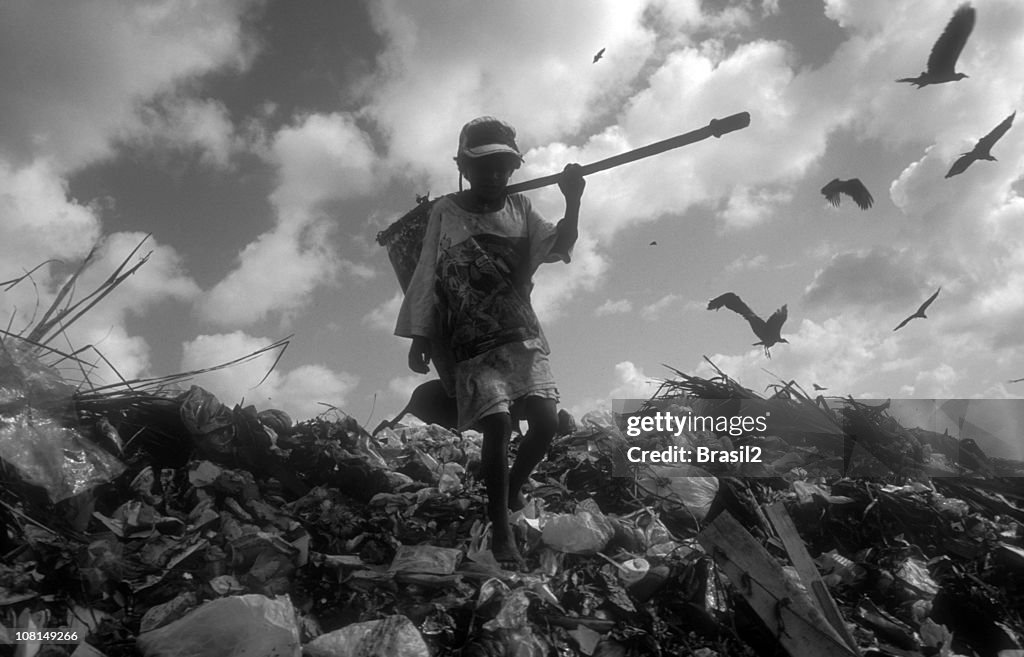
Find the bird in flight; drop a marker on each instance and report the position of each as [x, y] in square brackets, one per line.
[982, 148]
[1016, 380]
[853, 188]
[599, 55]
[920, 311]
[817, 387]
[769, 331]
[945, 52]
[655, 243]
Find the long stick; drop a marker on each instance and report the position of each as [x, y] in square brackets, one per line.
[716, 128]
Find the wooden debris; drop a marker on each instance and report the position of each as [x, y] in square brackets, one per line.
[786, 610]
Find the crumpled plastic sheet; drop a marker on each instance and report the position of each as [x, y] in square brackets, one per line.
[33, 439]
[53, 456]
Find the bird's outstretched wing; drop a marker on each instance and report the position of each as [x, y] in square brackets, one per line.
[599, 55]
[928, 302]
[961, 164]
[904, 323]
[777, 319]
[920, 311]
[831, 191]
[733, 303]
[856, 190]
[950, 43]
[988, 141]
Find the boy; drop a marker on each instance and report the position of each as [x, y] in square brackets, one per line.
[467, 310]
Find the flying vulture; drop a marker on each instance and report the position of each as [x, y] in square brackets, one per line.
[945, 52]
[853, 188]
[982, 148]
[768, 332]
[920, 311]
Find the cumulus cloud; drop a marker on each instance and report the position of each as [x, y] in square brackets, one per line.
[614, 307]
[80, 68]
[176, 123]
[632, 383]
[384, 316]
[320, 158]
[300, 391]
[653, 311]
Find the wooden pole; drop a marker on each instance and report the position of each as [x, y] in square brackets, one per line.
[716, 128]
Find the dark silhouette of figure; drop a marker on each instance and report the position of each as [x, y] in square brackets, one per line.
[767, 331]
[920, 311]
[945, 52]
[982, 148]
[599, 55]
[430, 403]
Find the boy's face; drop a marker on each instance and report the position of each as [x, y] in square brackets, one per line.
[488, 176]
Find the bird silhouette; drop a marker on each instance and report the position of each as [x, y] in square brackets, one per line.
[853, 188]
[653, 244]
[817, 387]
[599, 55]
[1016, 380]
[945, 52]
[982, 148]
[920, 311]
[768, 332]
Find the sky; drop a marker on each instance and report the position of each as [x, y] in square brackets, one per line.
[263, 144]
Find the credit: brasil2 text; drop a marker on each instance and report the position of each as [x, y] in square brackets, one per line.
[703, 454]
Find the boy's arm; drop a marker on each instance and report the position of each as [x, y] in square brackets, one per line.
[572, 184]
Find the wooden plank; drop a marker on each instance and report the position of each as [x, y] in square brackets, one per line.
[808, 570]
[785, 609]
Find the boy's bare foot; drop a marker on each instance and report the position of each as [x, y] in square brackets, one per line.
[507, 554]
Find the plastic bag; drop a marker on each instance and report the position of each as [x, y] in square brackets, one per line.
[394, 636]
[583, 532]
[241, 626]
[426, 559]
[35, 410]
[55, 457]
[688, 485]
[208, 419]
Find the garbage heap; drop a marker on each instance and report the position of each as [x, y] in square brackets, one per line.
[168, 523]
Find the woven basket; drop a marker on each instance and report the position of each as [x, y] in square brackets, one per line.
[404, 241]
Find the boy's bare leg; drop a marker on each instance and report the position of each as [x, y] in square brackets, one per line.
[497, 429]
[542, 416]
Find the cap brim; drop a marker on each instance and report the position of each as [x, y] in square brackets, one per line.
[491, 149]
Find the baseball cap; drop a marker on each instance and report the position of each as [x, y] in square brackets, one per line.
[486, 135]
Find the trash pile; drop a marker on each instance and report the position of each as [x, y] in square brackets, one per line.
[168, 523]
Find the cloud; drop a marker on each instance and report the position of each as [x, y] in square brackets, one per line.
[298, 391]
[384, 316]
[614, 307]
[631, 382]
[40, 221]
[653, 311]
[320, 158]
[178, 123]
[80, 68]
[747, 263]
[880, 276]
